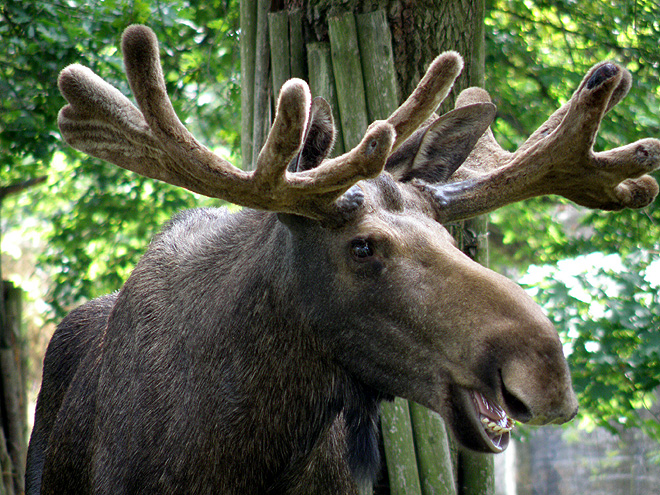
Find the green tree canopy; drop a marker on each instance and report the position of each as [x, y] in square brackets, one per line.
[95, 217]
[537, 54]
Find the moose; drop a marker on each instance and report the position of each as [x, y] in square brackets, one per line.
[249, 352]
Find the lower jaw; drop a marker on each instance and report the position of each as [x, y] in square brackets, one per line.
[464, 422]
[495, 425]
[498, 443]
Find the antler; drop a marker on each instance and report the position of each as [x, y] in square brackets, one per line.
[557, 159]
[153, 142]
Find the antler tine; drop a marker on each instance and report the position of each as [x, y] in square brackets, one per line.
[144, 72]
[102, 122]
[557, 159]
[428, 95]
[196, 167]
[287, 132]
[604, 85]
[153, 142]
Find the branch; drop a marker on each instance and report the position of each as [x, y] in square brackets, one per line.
[20, 186]
[564, 30]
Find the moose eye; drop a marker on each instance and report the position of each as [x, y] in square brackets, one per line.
[361, 249]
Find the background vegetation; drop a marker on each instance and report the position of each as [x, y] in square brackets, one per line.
[596, 273]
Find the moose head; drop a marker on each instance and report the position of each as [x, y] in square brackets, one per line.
[249, 352]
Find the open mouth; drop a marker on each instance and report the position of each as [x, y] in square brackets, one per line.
[495, 423]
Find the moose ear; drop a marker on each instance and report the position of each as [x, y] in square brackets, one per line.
[434, 152]
[319, 137]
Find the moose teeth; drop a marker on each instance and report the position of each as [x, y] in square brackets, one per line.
[495, 428]
[494, 419]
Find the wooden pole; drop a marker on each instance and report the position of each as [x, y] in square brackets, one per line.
[280, 61]
[377, 60]
[400, 448]
[347, 70]
[476, 474]
[262, 85]
[322, 83]
[434, 460]
[248, 19]
[11, 379]
[297, 59]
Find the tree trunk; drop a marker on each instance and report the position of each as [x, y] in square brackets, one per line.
[13, 401]
[13, 407]
[354, 49]
[420, 31]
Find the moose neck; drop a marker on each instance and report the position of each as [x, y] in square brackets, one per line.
[295, 275]
[251, 328]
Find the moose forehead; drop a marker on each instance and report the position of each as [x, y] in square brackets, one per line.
[391, 206]
[384, 193]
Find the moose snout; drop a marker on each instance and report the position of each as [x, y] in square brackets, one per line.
[538, 390]
[559, 415]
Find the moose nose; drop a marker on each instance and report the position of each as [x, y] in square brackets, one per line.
[538, 413]
[556, 413]
[555, 417]
[537, 388]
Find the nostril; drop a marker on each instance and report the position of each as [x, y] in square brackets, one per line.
[515, 407]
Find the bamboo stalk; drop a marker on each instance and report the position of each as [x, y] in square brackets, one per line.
[278, 32]
[322, 83]
[347, 70]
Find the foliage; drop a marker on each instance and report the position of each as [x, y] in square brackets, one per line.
[537, 53]
[606, 308]
[98, 218]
